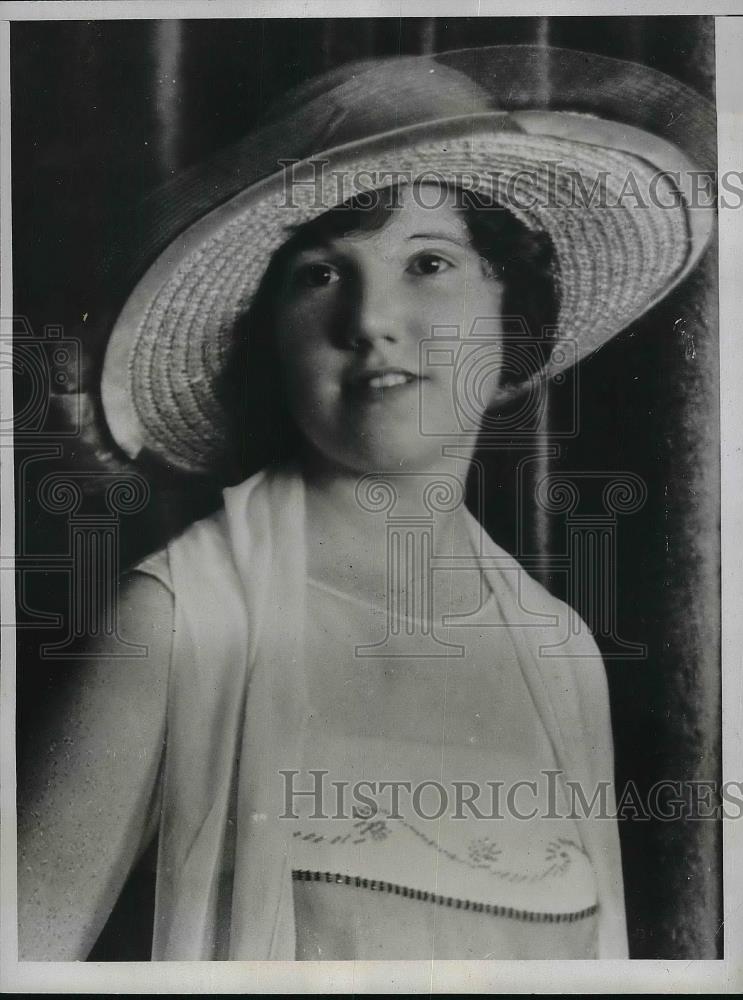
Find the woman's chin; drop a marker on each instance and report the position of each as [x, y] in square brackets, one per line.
[383, 457]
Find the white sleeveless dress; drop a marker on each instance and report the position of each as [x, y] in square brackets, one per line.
[469, 833]
[253, 688]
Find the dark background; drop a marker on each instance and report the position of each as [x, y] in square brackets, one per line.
[105, 111]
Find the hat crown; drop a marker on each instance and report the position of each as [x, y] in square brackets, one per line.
[358, 100]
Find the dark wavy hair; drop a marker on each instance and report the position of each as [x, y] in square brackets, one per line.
[263, 431]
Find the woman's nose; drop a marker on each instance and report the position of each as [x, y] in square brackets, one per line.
[376, 315]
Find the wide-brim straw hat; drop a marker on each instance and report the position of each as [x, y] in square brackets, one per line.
[541, 130]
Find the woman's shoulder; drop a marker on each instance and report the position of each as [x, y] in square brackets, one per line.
[563, 665]
[532, 602]
[198, 569]
[155, 565]
[203, 542]
[559, 641]
[206, 544]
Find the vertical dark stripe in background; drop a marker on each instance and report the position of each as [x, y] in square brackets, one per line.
[538, 513]
[166, 86]
[103, 112]
[428, 36]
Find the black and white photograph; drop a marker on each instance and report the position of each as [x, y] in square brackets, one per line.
[365, 487]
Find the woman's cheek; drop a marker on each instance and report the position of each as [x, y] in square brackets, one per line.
[313, 381]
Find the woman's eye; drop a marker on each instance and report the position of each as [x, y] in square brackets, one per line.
[316, 275]
[429, 263]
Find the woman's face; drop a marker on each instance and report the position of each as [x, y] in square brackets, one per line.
[364, 389]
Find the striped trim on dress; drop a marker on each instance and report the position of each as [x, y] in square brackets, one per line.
[531, 916]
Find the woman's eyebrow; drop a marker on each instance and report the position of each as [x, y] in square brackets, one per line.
[449, 237]
[318, 245]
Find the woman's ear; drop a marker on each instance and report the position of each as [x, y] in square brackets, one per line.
[489, 269]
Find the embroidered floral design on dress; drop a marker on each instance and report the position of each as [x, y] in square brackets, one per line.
[364, 830]
[559, 856]
[483, 853]
[377, 829]
[483, 849]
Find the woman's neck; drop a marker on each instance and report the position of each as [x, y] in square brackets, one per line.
[360, 499]
[350, 516]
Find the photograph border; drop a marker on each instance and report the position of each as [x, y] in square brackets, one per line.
[601, 976]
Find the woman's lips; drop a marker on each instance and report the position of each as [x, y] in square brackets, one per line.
[375, 384]
[389, 379]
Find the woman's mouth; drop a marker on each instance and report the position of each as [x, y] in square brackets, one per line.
[375, 384]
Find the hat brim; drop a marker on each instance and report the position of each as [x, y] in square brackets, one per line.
[172, 337]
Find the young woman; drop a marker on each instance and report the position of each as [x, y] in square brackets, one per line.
[349, 732]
